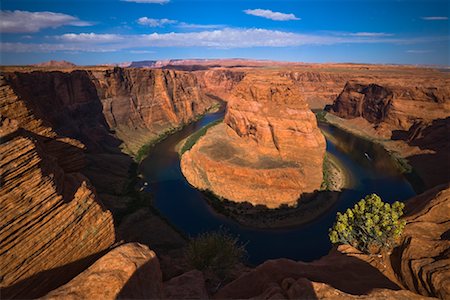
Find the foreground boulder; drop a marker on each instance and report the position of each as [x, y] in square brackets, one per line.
[344, 273]
[422, 261]
[268, 151]
[129, 271]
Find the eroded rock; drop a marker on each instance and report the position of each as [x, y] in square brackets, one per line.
[268, 151]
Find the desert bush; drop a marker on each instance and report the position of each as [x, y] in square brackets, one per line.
[370, 226]
[216, 251]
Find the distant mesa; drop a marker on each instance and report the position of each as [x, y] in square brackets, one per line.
[56, 64]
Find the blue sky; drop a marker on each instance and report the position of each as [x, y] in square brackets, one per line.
[97, 32]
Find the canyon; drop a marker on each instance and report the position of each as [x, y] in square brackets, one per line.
[71, 218]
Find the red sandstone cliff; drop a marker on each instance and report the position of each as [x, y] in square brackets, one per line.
[62, 163]
[414, 116]
[139, 104]
[396, 106]
[52, 221]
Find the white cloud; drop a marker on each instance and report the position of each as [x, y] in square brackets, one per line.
[142, 51]
[419, 51]
[371, 34]
[149, 1]
[273, 15]
[90, 37]
[155, 22]
[26, 21]
[220, 38]
[198, 26]
[434, 18]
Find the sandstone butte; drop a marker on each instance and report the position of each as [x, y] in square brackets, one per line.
[268, 151]
[67, 140]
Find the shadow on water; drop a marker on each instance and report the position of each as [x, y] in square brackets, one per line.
[186, 208]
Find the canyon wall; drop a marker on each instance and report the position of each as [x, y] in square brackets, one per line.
[394, 106]
[64, 174]
[52, 221]
[268, 151]
[409, 118]
[139, 104]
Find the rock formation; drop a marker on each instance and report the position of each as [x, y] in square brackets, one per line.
[342, 274]
[139, 104]
[396, 106]
[419, 263]
[413, 117]
[64, 174]
[422, 260]
[130, 271]
[52, 222]
[62, 163]
[268, 151]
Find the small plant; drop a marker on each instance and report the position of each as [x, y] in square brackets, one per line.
[371, 226]
[216, 251]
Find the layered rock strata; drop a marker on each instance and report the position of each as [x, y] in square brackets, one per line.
[52, 222]
[268, 151]
[139, 104]
[397, 107]
[62, 162]
[410, 119]
[422, 260]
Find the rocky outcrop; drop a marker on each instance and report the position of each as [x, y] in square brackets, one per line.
[319, 88]
[396, 107]
[190, 285]
[407, 118]
[61, 158]
[268, 151]
[130, 271]
[52, 222]
[341, 274]
[422, 261]
[139, 104]
[220, 82]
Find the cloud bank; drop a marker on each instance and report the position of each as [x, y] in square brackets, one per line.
[19, 21]
[225, 38]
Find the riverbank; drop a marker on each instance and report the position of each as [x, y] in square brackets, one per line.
[306, 209]
[335, 177]
[145, 149]
[188, 142]
[398, 150]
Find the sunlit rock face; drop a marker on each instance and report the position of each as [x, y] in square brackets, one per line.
[268, 151]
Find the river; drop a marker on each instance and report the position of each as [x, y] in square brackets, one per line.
[368, 165]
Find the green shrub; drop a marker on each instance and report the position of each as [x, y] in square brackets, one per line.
[216, 251]
[371, 226]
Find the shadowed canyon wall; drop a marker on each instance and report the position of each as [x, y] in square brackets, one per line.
[63, 171]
